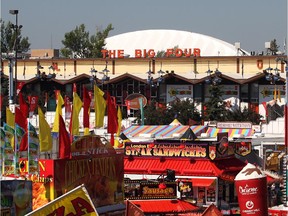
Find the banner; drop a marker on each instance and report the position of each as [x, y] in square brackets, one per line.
[33, 102]
[74, 202]
[19, 87]
[8, 150]
[33, 154]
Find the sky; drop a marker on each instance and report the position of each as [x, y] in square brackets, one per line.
[250, 22]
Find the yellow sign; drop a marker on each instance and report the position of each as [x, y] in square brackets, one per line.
[74, 202]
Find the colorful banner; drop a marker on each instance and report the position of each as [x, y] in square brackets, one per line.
[74, 202]
[33, 154]
[8, 150]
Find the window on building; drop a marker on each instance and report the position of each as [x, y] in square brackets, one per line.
[244, 94]
[198, 92]
[254, 92]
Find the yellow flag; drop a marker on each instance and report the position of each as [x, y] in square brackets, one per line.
[74, 122]
[100, 107]
[10, 118]
[119, 117]
[86, 131]
[275, 94]
[75, 202]
[45, 137]
[279, 95]
[58, 111]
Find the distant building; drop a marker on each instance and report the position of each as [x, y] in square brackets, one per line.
[44, 53]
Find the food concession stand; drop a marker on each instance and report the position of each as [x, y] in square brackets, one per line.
[203, 171]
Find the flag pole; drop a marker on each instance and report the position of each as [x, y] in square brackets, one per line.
[28, 140]
[15, 148]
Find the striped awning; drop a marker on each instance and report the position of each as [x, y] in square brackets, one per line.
[162, 131]
[232, 132]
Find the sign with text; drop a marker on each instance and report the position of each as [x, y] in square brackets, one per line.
[178, 92]
[85, 146]
[133, 100]
[234, 125]
[102, 176]
[166, 149]
[151, 53]
[146, 189]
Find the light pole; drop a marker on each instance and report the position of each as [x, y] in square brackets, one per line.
[15, 48]
[285, 158]
[286, 138]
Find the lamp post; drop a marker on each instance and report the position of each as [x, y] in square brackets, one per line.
[285, 158]
[93, 77]
[16, 29]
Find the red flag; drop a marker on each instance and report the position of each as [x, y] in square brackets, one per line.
[71, 116]
[74, 87]
[19, 87]
[21, 120]
[23, 105]
[57, 92]
[33, 103]
[64, 140]
[86, 107]
[112, 117]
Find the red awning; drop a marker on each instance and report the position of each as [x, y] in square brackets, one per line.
[164, 206]
[183, 166]
[201, 182]
[191, 167]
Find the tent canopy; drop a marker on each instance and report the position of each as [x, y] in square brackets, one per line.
[175, 122]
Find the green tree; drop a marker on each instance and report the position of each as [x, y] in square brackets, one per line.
[98, 41]
[274, 47]
[8, 39]
[162, 53]
[78, 42]
[152, 114]
[215, 107]
[183, 110]
[244, 115]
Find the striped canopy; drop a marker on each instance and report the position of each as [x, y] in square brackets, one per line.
[162, 131]
[247, 132]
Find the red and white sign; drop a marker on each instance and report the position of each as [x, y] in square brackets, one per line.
[133, 101]
[251, 186]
